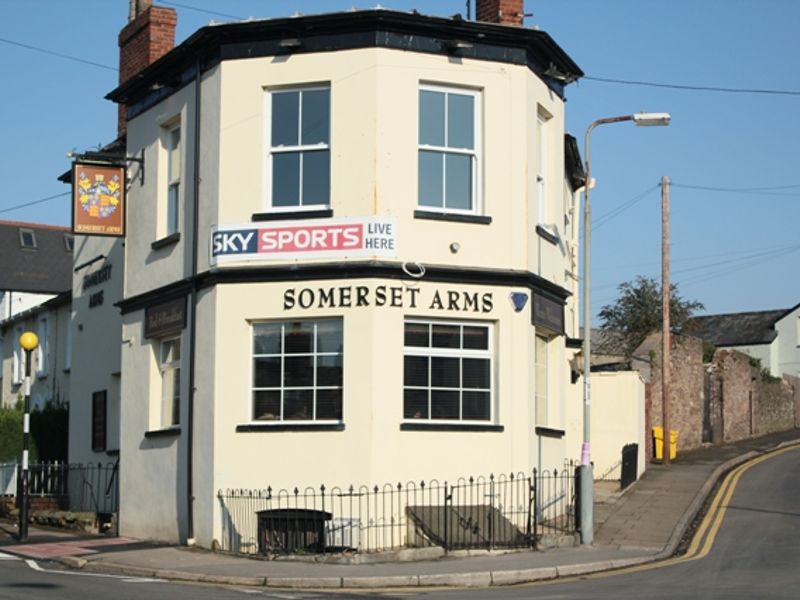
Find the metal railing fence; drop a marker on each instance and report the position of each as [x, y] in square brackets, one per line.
[91, 487]
[505, 511]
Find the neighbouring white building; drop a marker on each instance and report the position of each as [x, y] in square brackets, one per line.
[771, 336]
[34, 296]
[351, 260]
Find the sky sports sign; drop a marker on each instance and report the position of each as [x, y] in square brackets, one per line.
[329, 238]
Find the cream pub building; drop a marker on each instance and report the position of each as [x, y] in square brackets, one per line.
[351, 260]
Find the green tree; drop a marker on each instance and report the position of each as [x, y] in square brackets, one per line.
[636, 313]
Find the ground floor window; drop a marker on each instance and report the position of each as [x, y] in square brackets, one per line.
[447, 371]
[297, 370]
[540, 373]
[170, 369]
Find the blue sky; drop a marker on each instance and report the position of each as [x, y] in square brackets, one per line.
[733, 158]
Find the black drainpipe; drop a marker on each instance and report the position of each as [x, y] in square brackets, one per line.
[193, 315]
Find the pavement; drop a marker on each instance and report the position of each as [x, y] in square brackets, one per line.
[644, 523]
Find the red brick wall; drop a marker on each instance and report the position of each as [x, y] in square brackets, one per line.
[505, 12]
[142, 42]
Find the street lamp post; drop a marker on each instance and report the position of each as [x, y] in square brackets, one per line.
[586, 490]
[29, 342]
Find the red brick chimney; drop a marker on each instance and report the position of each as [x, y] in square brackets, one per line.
[504, 12]
[149, 35]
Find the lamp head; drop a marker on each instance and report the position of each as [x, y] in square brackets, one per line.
[651, 119]
[29, 341]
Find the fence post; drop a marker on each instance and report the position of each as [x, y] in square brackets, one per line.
[532, 513]
[447, 500]
[490, 539]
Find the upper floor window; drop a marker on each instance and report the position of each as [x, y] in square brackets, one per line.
[299, 148]
[43, 349]
[172, 146]
[541, 376]
[541, 171]
[449, 159]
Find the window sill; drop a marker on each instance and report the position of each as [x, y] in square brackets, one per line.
[547, 235]
[285, 426]
[550, 432]
[454, 217]
[171, 239]
[433, 426]
[166, 432]
[324, 213]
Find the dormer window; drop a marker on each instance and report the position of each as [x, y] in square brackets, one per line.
[27, 239]
[69, 243]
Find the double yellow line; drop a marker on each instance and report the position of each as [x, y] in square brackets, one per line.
[703, 539]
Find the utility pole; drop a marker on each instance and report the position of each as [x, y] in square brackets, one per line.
[665, 329]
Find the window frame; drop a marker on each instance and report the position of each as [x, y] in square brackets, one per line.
[173, 176]
[270, 150]
[99, 439]
[281, 421]
[542, 132]
[17, 362]
[430, 351]
[541, 397]
[23, 231]
[175, 368]
[43, 349]
[476, 154]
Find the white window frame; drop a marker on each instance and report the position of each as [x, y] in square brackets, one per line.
[18, 360]
[43, 349]
[270, 150]
[431, 351]
[314, 354]
[165, 420]
[476, 153]
[172, 137]
[542, 131]
[541, 388]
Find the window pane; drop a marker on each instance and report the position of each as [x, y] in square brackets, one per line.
[172, 207]
[298, 405]
[329, 404]
[416, 334]
[329, 370]
[431, 118]
[415, 404]
[476, 373]
[431, 176]
[415, 371]
[458, 183]
[170, 351]
[476, 338]
[299, 337]
[298, 371]
[267, 405]
[174, 155]
[444, 405]
[286, 179]
[446, 336]
[444, 372]
[460, 121]
[316, 177]
[267, 338]
[316, 117]
[267, 372]
[476, 406]
[285, 118]
[329, 336]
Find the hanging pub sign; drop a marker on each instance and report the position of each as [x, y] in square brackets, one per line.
[98, 199]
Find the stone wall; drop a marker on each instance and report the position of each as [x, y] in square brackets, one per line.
[733, 389]
[686, 387]
[774, 409]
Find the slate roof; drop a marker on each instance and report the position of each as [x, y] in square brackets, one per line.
[45, 269]
[738, 329]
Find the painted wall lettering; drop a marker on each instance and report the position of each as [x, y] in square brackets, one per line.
[385, 295]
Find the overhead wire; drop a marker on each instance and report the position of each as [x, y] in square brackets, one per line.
[39, 201]
[58, 54]
[694, 88]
